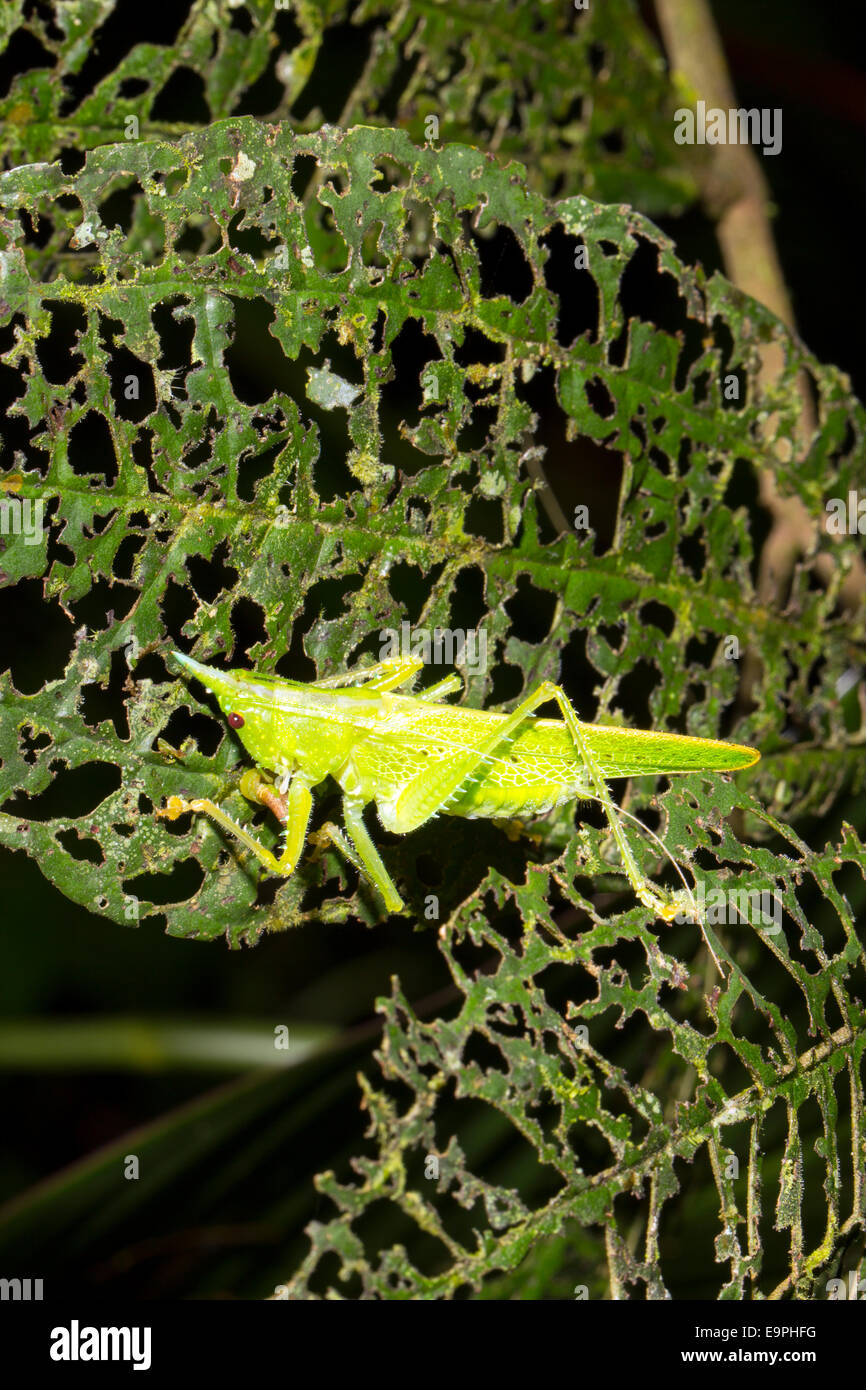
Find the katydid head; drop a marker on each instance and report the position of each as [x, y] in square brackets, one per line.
[247, 701]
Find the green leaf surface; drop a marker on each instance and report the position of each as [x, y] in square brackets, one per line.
[583, 98]
[222, 411]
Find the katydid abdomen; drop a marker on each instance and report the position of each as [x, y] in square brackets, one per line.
[531, 772]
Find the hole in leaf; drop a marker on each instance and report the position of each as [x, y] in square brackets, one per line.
[73, 792]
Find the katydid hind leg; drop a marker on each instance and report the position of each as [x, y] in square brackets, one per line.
[665, 905]
[432, 791]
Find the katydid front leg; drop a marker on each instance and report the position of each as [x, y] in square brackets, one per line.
[385, 675]
[292, 810]
[391, 675]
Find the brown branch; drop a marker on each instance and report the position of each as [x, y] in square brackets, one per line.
[736, 196]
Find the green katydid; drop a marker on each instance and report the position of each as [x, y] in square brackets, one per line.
[417, 758]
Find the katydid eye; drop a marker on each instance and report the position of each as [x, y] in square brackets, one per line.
[236, 721]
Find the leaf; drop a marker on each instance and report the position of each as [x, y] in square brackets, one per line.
[546, 1067]
[325, 425]
[582, 98]
[165, 507]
